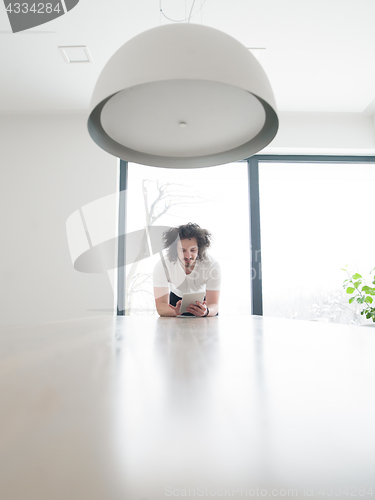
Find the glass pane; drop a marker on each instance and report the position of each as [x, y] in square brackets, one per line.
[315, 219]
[216, 198]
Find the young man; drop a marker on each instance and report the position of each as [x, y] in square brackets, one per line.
[188, 268]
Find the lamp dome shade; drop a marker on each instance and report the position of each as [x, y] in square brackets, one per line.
[183, 96]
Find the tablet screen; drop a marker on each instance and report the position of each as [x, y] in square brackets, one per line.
[190, 298]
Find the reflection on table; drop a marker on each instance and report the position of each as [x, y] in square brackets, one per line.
[135, 408]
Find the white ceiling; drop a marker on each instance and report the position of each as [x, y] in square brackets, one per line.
[319, 57]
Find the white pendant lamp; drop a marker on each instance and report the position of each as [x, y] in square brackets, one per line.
[183, 96]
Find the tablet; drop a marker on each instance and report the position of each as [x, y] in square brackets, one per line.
[191, 298]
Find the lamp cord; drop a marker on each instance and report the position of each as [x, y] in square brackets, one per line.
[182, 20]
[191, 10]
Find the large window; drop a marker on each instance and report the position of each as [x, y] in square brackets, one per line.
[315, 218]
[215, 198]
[310, 217]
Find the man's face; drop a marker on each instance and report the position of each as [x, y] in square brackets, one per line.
[187, 251]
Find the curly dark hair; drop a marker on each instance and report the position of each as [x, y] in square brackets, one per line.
[187, 231]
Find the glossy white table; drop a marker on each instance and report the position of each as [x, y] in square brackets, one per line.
[137, 408]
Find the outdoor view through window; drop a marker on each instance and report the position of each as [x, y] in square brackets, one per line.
[315, 219]
[216, 198]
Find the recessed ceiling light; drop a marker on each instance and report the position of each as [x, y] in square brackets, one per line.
[76, 54]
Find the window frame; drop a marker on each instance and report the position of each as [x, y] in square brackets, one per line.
[254, 218]
[122, 227]
[255, 224]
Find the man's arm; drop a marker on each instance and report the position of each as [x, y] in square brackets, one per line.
[212, 301]
[162, 302]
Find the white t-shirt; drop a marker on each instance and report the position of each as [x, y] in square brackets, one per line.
[206, 275]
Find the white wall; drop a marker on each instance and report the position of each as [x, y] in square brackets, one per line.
[324, 133]
[50, 167]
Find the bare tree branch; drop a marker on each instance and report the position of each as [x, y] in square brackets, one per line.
[167, 196]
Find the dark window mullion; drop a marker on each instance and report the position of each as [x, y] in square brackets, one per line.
[255, 246]
[121, 238]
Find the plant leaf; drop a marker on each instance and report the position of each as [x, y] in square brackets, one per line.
[350, 289]
[351, 300]
[368, 300]
[356, 276]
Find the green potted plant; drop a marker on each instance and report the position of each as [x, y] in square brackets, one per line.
[355, 285]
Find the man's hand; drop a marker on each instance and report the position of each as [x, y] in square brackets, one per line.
[176, 308]
[198, 309]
